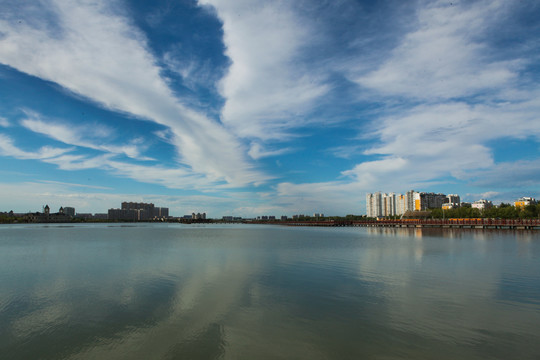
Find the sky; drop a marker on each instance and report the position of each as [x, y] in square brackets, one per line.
[250, 108]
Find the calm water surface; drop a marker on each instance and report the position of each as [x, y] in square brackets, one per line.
[267, 292]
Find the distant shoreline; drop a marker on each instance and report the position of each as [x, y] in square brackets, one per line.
[499, 224]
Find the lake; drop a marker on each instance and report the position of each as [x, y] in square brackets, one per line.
[172, 291]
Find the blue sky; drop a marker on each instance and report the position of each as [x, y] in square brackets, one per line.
[253, 108]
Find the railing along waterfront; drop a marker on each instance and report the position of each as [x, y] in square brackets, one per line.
[477, 223]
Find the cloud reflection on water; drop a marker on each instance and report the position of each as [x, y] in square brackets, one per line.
[268, 292]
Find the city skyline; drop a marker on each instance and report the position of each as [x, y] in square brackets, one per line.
[378, 204]
[254, 107]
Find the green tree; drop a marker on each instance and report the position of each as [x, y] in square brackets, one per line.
[438, 213]
[528, 212]
[508, 212]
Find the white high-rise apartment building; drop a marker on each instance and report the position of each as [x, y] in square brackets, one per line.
[400, 204]
[409, 198]
[389, 204]
[369, 205]
[374, 205]
[378, 204]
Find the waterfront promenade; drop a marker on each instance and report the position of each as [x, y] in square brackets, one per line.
[515, 224]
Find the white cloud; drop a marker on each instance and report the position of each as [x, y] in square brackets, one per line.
[30, 196]
[7, 148]
[79, 162]
[488, 195]
[444, 57]
[443, 60]
[178, 178]
[4, 122]
[508, 175]
[94, 52]
[434, 137]
[345, 151]
[257, 151]
[173, 178]
[269, 87]
[329, 198]
[79, 135]
[430, 145]
[75, 185]
[448, 139]
[195, 72]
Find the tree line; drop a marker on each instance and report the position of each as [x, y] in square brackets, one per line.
[503, 211]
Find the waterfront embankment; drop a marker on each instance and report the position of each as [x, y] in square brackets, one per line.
[511, 224]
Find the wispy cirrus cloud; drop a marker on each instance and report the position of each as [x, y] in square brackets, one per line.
[450, 93]
[92, 50]
[65, 159]
[4, 122]
[196, 73]
[258, 151]
[445, 56]
[88, 136]
[270, 86]
[507, 175]
[8, 148]
[172, 178]
[74, 185]
[446, 59]
[345, 151]
[456, 128]
[418, 94]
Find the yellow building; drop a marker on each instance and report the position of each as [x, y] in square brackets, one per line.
[524, 201]
[447, 206]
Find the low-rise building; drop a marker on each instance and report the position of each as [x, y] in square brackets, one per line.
[124, 214]
[198, 216]
[70, 211]
[482, 204]
[524, 201]
[47, 217]
[134, 211]
[452, 201]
